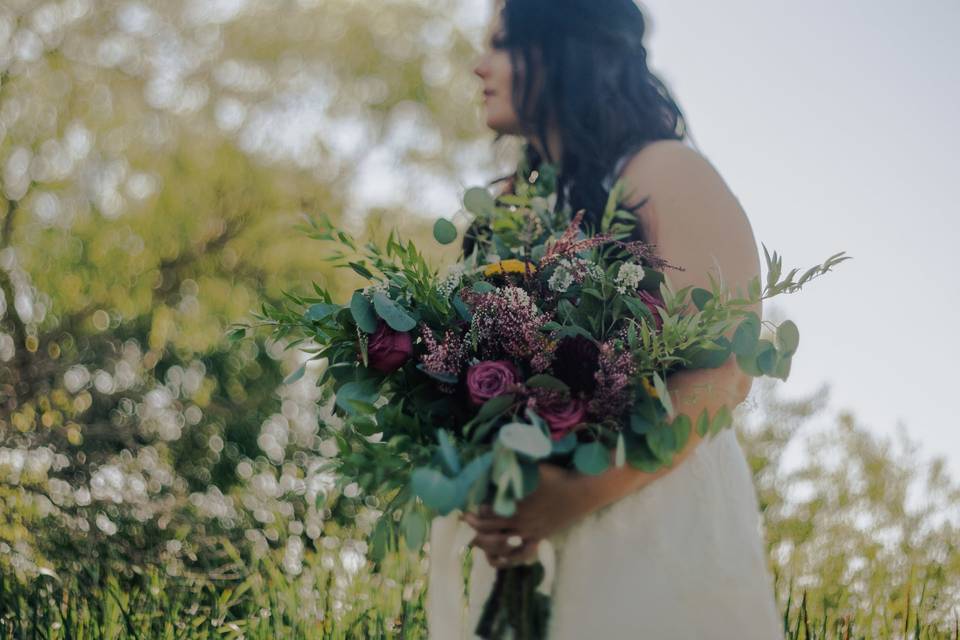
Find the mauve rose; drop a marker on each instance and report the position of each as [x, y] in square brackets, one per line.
[489, 379]
[652, 302]
[387, 349]
[562, 414]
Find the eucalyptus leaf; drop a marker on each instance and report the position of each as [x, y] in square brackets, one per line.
[444, 231]
[461, 308]
[788, 337]
[640, 424]
[531, 479]
[639, 455]
[495, 406]
[320, 311]
[392, 313]
[748, 364]
[782, 369]
[472, 481]
[544, 381]
[478, 200]
[663, 443]
[766, 357]
[526, 439]
[591, 458]
[363, 313]
[565, 445]
[363, 391]
[435, 489]
[746, 336]
[482, 286]
[447, 452]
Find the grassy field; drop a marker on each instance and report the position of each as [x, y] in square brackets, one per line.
[322, 602]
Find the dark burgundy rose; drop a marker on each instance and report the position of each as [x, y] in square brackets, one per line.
[562, 414]
[489, 379]
[653, 302]
[387, 349]
[575, 361]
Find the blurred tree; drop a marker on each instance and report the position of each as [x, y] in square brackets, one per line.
[864, 526]
[155, 158]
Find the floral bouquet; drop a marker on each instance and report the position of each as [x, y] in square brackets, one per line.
[546, 343]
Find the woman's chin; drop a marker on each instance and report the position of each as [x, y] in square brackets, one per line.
[501, 126]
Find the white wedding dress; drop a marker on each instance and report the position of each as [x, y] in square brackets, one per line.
[681, 559]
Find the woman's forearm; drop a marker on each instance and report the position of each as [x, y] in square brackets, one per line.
[691, 391]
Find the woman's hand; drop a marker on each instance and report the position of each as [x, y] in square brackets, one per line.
[556, 503]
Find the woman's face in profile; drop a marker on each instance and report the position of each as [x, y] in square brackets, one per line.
[496, 71]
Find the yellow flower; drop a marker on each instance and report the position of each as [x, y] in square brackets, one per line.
[649, 388]
[509, 266]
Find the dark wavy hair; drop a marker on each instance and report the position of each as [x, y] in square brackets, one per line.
[581, 66]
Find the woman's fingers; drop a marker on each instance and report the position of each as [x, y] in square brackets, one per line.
[515, 556]
[495, 544]
[489, 524]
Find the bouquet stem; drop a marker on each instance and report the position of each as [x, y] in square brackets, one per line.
[515, 609]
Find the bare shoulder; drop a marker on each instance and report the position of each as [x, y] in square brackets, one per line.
[677, 179]
[691, 214]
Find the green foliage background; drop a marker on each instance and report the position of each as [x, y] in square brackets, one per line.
[150, 466]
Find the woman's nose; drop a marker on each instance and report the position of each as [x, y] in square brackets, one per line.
[480, 68]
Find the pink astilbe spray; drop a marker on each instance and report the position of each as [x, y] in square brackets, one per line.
[646, 255]
[567, 245]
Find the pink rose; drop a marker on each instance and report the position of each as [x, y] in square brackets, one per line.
[489, 379]
[387, 349]
[653, 303]
[562, 414]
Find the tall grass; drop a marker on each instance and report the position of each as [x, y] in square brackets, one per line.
[266, 603]
[322, 602]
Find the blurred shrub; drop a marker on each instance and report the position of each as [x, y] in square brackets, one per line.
[155, 159]
[861, 528]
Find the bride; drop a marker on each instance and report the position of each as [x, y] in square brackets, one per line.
[676, 554]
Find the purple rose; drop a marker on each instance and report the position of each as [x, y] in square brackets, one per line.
[653, 303]
[489, 379]
[562, 414]
[387, 349]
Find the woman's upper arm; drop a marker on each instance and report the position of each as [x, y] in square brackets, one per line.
[692, 217]
[697, 224]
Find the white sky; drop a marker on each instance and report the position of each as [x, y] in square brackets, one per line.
[836, 125]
